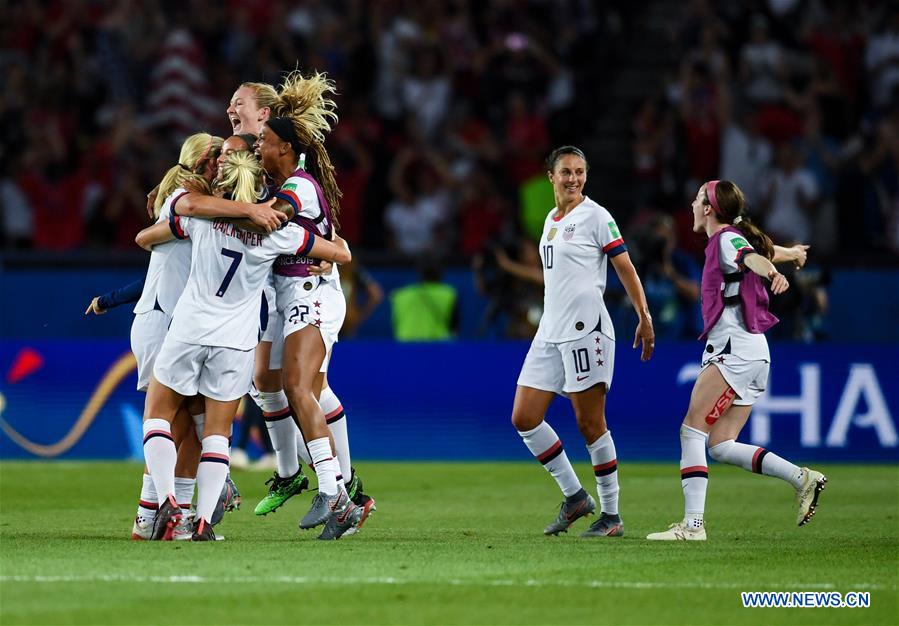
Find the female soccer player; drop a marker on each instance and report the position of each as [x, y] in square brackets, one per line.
[736, 360]
[209, 346]
[574, 349]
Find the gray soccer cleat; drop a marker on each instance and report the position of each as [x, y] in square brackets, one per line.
[606, 526]
[344, 516]
[813, 484]
[229, 500]
[572, 509]
[318, 513]
[167, 518]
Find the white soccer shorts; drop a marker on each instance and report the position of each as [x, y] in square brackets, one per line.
[148, 331]
[305, 301]
[748, 379]
[222, 374]
[571, 366]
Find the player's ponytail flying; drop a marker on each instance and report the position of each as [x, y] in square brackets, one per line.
[729, 203]
[305, 101]
[198, 152]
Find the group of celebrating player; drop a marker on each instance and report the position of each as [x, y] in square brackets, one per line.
[237, 299]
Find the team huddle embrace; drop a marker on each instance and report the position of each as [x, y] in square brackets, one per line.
[243, 295]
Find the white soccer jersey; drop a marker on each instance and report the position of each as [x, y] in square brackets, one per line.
[575, 251]
[168, 269]
[729, 332]
[300, 193]
[228, 270]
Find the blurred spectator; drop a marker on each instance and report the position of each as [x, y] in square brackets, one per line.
[670, 279]
[426, 91]
[363, 295]
[18, 224]
[420, 182]
[789, 198]
[882, 61]
[745, 154]
[515, 290]
[762, 64]
[427, 310]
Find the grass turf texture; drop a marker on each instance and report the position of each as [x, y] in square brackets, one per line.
[449, 544]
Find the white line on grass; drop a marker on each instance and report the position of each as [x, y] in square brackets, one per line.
[456, 582]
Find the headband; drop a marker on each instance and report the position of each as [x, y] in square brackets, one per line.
[283, 128]
[713, 199]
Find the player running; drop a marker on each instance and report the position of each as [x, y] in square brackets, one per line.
[209, 346]
[574, 349]
[736, 360]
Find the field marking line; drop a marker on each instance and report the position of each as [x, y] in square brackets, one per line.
[455, 582]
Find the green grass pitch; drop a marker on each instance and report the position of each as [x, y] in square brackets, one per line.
[450, 544]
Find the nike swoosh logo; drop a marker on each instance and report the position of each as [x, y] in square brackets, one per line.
[580, 378]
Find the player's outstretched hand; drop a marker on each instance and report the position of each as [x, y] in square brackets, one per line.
[779, 282]
[264, 216]
[647, 336]
[94, 307]
[800, 254]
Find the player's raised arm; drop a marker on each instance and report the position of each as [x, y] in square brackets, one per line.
[160, 232]
[265, 215]
[797, 254]
[765, 268]
[626, 271]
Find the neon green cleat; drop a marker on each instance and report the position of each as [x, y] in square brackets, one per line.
[281, 490]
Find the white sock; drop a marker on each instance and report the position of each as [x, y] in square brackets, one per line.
[199, 423]
[149, 502]
[605, 468]
[303, 449]
[211, 474]
[336, 418]
[545, 445]
[694, 474]
[281, 430]
[160, 456]
[325, 465]
[184, 492]
[757, 460]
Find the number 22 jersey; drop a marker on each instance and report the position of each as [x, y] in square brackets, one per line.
[575, 250]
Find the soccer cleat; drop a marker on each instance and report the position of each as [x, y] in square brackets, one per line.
[142, 529]
[184, 529]
[367, 504]
[813, 484]
[344, 516]
[281, 490]
[606, 526]
[202, 531]
[229, 500]
[318, 513]
[354, 486]
[167, 518]
[572, 509]
[679, 532]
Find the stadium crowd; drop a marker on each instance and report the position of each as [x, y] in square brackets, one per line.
[447, 110]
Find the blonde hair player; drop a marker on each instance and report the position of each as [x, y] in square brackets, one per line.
[574, 349]
[735, 360]
[166, 276]
[209, 346]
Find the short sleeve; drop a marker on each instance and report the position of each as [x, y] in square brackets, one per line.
[179, 225]
[300, 194]
[295, 240]
[610, 238]
[734, 248]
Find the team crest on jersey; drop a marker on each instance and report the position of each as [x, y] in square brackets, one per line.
[569, 232]
[613, 227]
[289, 187]
[552, 233]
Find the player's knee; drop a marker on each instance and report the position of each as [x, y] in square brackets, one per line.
[522, 421]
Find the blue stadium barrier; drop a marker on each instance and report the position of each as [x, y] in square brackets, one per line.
[76, 399]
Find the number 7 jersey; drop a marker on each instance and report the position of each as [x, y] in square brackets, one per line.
[228, 269]
[575, 250]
